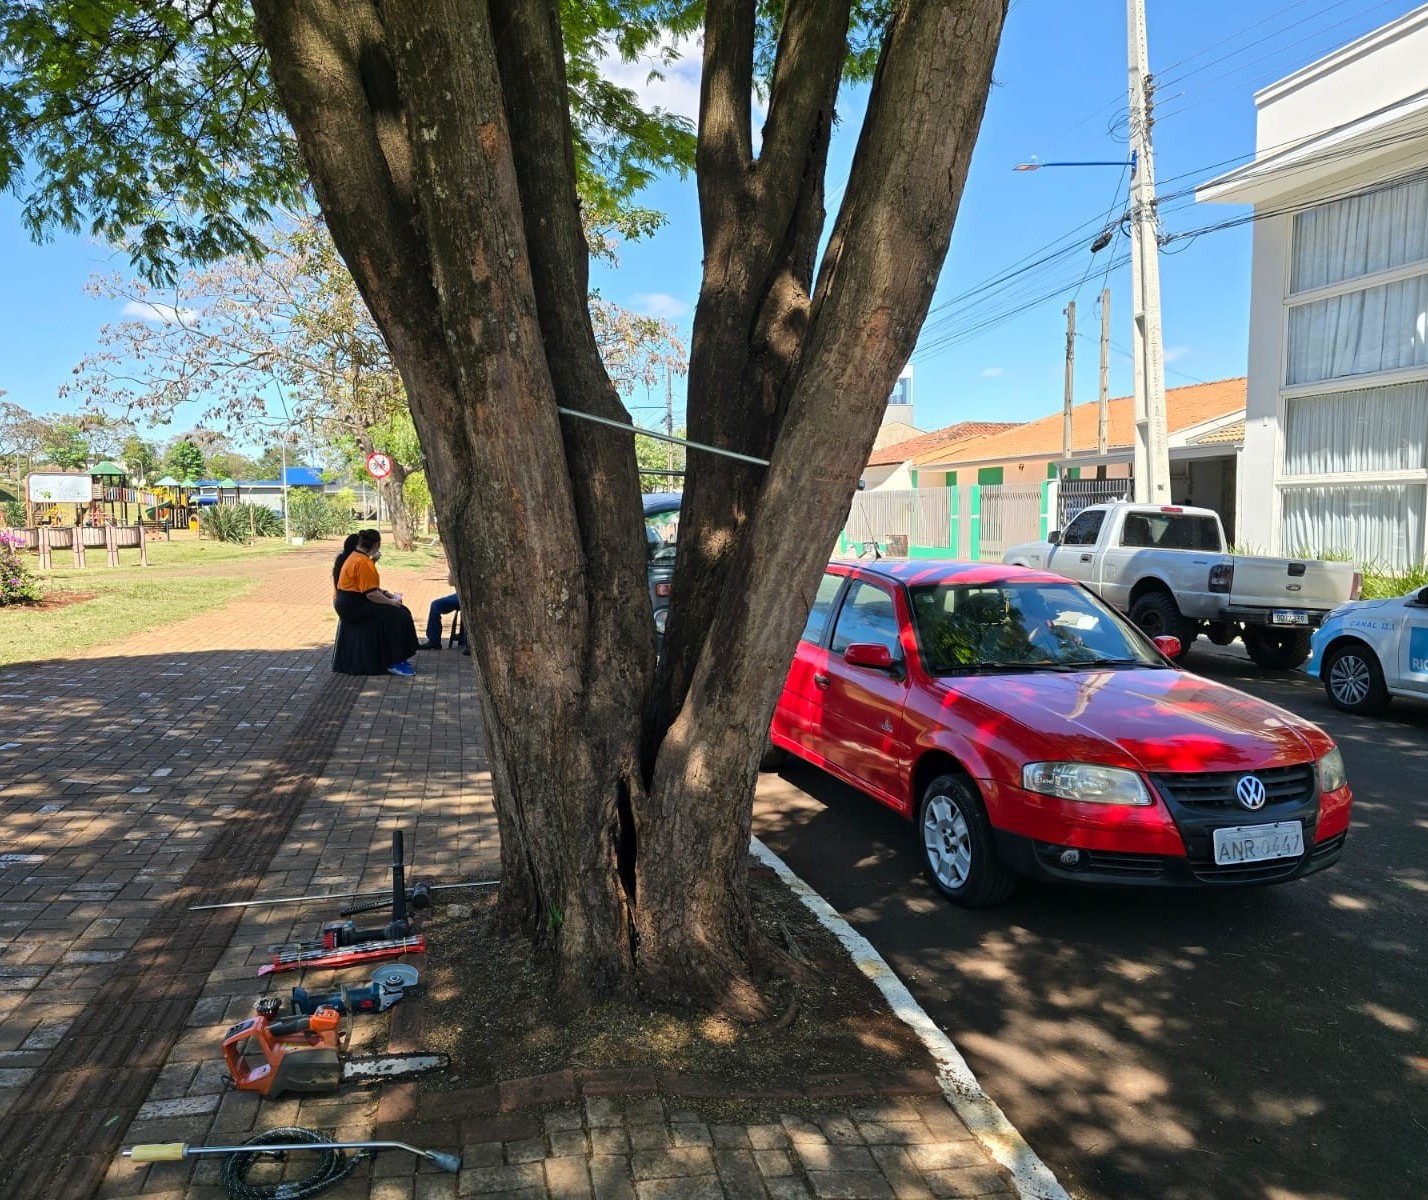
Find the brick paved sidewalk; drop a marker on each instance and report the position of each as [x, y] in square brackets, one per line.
[394, 754]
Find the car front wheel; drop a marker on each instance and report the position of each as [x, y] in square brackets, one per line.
[1353, 680]
[956, 841]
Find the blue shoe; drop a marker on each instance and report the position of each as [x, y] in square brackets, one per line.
[404, 669]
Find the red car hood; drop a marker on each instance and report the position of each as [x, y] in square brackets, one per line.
[1158, 720]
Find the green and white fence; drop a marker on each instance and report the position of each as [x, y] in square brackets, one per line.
[972, 522]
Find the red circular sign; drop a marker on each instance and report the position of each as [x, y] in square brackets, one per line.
[379, 465]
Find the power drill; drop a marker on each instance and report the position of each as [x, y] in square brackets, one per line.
[387, 987]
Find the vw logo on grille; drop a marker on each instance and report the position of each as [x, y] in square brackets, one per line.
[1250, 792]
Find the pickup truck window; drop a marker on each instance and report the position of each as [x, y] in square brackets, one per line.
[1170, 531]
[1085, 529]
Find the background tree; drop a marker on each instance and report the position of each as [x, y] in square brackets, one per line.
[445, 143]
[64, 444]
[141, 458]
[661, 463]
[184, 460]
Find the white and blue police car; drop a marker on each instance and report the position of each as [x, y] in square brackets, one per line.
[1369, 651]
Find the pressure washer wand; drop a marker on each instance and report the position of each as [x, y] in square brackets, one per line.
[179, 1151]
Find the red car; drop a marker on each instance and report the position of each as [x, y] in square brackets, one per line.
[1027, 729]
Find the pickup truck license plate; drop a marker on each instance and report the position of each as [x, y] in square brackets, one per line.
[1258, 843]
[1287, 616]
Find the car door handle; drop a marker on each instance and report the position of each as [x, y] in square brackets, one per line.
[821, 681]
[1086, 558]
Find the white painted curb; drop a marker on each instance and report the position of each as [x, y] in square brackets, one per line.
[1031, 1177]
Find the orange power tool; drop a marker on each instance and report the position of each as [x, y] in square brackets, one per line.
[303, 1054]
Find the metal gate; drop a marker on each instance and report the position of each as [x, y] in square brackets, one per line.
[1075, 494]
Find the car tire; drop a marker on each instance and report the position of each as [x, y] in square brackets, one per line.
[1276, 649]
[1353, 680]
[774, 758]
[1157, 615]
[955, 838]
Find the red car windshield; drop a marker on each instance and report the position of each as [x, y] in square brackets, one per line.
[1020, 626]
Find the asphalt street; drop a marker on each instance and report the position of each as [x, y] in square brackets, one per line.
[1259, 1044]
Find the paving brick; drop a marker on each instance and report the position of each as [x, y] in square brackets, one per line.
[699, 1187]
[772, 1163]
[567, 1178]
[610, 1177]
[898, 1169]
[850, 1185]
[968, 1182]
[671, 1163]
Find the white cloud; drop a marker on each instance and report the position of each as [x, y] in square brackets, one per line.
[660, 304]
[158, 314]
[993, 372]
[676, 92]
[1176, 353]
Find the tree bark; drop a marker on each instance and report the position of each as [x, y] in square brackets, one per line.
[438, 140]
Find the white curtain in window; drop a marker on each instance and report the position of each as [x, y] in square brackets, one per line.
[1377, 526]
[1382, 328]
[1373, 231]
[1369, 429]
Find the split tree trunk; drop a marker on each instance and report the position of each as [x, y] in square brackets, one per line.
[438, 139]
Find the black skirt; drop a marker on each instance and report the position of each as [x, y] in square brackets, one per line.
[371, 637]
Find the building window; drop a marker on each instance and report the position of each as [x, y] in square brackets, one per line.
[1361, 235]
[1382, 328]
[989, 475]
[1351, 433]
[1378, 525]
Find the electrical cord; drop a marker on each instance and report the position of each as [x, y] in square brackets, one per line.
[332, 1167]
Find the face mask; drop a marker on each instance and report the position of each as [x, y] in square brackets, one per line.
[375, 555]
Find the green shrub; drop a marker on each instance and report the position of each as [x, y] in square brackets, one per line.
[313, 516]
[1380, 584]
[239, 522]
[17, 585]
[15, 514]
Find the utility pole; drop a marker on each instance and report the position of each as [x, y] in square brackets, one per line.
[1070, 379]
[668, 428]
[1103, 407]
[1152, 443]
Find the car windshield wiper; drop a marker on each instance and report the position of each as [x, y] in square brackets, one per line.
[1112, 662]
[1010, 667]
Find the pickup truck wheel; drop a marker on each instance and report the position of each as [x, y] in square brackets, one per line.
[1353, 680]
[1276, 649]
[1157, 615]
[956, 841]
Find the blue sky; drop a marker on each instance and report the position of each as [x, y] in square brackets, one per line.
[1059, 95]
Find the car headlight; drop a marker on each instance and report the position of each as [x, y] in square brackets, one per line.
[661, 619]
[1085, 782]
[1332, 775]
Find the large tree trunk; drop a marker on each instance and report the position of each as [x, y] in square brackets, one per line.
[438, 139]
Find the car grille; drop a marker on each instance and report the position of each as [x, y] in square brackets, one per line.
[1136, 866]
[1216, 789]
[1266, 872]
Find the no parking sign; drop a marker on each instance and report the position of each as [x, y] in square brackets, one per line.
[379, 465]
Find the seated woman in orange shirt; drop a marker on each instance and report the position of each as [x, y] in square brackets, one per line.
[376, 633]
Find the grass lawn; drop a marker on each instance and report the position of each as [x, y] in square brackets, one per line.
[119, 601]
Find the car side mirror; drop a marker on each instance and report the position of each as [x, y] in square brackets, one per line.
[870, 654]
[1167, 645]
[1054, 537]
[1422, 597]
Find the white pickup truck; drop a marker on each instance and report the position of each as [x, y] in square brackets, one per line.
[1169, 569]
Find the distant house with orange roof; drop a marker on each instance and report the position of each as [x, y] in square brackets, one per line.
[890, 464]
[1205, 423]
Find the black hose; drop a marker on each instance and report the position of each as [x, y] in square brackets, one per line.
[332, 1167]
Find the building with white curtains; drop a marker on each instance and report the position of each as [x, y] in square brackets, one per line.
[1335, 458]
